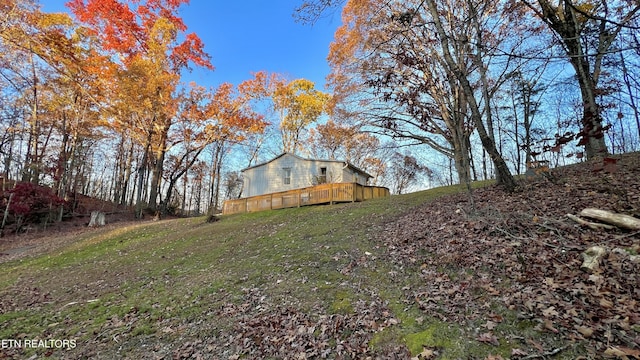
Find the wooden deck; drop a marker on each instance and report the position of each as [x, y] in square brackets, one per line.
[320, 194]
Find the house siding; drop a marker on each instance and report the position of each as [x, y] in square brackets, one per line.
[269, 177]
[348, 175]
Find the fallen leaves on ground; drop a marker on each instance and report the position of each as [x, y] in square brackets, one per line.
[265, 330]
[288, 331]
[520, 250]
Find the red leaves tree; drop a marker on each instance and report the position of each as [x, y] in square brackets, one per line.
[127, 28]
[30, 203]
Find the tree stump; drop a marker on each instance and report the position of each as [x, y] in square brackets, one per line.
[97, 219]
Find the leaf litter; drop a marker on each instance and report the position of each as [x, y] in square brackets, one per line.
[521, 251]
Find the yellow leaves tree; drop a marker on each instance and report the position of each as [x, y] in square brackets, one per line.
[143, 108]
[298, 104]
[49, 63]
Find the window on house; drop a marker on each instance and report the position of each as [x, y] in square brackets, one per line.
[322, 179]
[287, 176]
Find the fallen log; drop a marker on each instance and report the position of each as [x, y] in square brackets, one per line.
[619, 220]
[589, 224]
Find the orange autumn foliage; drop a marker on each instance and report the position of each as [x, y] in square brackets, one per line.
[127, 28]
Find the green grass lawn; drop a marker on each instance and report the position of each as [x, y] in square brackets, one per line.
[122, 292]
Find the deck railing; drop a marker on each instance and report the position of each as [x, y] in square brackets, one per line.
[319, 194]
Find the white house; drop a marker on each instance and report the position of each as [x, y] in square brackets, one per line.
[289, 171]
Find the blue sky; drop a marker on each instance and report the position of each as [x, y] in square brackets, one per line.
[253, 35]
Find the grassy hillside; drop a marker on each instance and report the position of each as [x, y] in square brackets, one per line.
[312, 282]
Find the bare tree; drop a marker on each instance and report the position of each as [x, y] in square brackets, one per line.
[587, 33]
[386, 74]
[406, 171]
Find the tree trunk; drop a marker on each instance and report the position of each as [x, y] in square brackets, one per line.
[9, 155]
[156, 178]
[127, 176]
[185, 181]
[134, 190]
[158, 168]
[30, 170]
[503, 175]
[592, 130]
[198, 195]
[5, 215]
[461, 155]
[463, 164]
[216, 201]
[516, 135]
[142, 167]
[563, 19]
[460, 136]
[119, 171]
[66, 162]
[163, 207]
[212, 184]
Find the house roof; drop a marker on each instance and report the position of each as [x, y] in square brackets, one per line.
[348, 164]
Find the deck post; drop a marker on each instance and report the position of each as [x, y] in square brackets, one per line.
[298, 195]
[331, 194]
